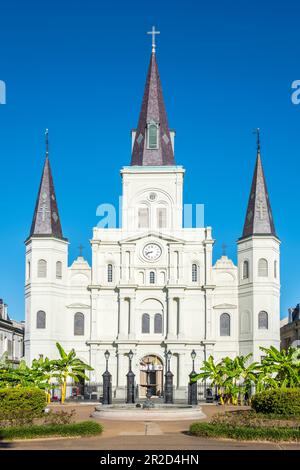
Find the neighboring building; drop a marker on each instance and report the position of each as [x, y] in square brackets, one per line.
[290, 329]
[11, 335]
[152, 286]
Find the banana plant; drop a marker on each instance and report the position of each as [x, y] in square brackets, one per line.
[214, 373]
[43, 369]
[281, 367]
[68, 366]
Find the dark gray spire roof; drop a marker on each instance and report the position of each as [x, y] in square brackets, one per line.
[46, 221]
[259, 218]
[153, 109]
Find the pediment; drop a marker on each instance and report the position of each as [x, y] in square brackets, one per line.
[78, 306]
[145, 235]
[225, 306]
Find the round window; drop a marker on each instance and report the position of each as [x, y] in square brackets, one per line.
[152, 196]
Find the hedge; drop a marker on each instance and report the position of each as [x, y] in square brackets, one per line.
[21, 403]
[84, 428]
[244, 432]
[22, 398]
[285, 402]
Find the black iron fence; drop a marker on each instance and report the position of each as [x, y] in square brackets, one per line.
[78, 392]
[93, 392]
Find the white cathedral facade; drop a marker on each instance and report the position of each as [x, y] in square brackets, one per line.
[152, 286]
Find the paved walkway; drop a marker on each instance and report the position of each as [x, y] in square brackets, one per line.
[147, 435]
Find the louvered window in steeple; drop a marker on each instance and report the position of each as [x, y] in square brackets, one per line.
[152, 135]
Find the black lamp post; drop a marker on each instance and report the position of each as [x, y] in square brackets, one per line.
[107, 387]
[168, 380]
[130, 381]
[192, 395]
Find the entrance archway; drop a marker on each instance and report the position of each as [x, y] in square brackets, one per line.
[155, 376]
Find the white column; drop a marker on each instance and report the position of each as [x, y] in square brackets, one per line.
[208, 256]
[172, 320]
[95, 273]
[132, 305]
[92, 360]
[181, 329]
[123, 317]
[122, 370]
[208, 314]
[94, 324]
[182, 371]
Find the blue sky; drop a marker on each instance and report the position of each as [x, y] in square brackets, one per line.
[79, 69]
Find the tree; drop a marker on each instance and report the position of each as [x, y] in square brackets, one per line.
[43, 369]
[280, 368]
[232, 377]
[68, 366]
[212, 372]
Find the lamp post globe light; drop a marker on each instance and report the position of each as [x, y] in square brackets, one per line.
[107, 386]
[168, 380]
[192, 391]
[130, 381]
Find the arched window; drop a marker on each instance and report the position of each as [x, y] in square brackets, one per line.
[194, 273]
[109, 273]
[42, 268]
[263, 268]
[158, 323]
[78, 324]
[275, 269]
[152, 135]
[162, 217]
[143, 217]
[263, 321]
[146, 323]
[225, 324]
[152, 277]
[58, 269]
[41, 319]
[245, 269]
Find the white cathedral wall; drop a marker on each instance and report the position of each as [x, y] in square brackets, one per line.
[113, 310]
[60, 299]
[259, 294]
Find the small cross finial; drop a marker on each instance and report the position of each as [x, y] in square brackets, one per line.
[80, 250]
[47, 142]
[224, 247]
[153, 33]
[257, 132]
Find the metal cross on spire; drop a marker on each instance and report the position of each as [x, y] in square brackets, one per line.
[257, 132]
[153, 33]
[224, 249]
[80, 250]
[47, 141]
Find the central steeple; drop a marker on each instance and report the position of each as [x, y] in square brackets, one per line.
[152, 144]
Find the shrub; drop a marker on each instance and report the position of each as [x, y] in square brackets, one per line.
[59, 417]
[20, 405]
[244, 432]
[84, 428]
[250, 418]
[284, 402]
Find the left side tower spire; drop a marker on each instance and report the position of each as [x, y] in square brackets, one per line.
[46, 220]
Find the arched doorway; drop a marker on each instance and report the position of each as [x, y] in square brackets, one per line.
[155, 366]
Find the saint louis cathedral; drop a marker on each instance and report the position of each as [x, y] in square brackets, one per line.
[152, 286]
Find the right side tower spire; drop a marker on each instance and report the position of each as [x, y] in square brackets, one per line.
[259, 218]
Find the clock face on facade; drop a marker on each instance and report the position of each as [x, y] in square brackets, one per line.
[152, 251]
